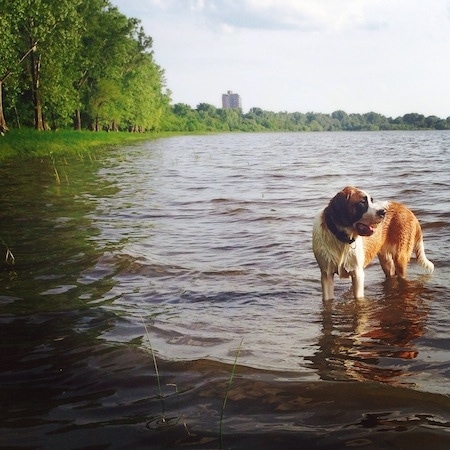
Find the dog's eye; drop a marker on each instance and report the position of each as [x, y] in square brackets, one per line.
[361, 206]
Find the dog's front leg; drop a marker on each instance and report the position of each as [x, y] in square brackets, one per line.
[327, 279]
[358, 283]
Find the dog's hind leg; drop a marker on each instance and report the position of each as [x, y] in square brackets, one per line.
[387, 264]
[401, 264]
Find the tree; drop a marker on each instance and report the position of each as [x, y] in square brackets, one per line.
[339, 115]
[104, 104]
[143, 84]
[375, 121]
[92, 63]
[9, 59]
[145, 100]
[414, 120]
[90, 60]
[55, 25]
[116, 60]
[107, 48]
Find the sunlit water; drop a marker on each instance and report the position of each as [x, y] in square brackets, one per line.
[196, 248]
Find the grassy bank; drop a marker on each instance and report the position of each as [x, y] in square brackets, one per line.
[29, 142]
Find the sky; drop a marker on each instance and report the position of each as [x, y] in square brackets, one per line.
[387, 56]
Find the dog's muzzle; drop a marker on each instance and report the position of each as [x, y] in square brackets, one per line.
[367, 229]
[381, 212]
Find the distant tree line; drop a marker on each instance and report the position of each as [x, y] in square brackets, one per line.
[77, 63]
[208, 118]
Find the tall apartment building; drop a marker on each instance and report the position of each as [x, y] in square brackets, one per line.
[231, 101]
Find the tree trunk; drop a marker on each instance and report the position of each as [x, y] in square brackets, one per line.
[38, 120]
[3, 126]
[36, 91]
[77, 120]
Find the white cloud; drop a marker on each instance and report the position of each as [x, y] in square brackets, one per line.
[304, 15]
[297, 55]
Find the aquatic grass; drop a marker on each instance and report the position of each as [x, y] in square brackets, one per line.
[57, 177]
[166, 421]
[9, 257]
[158, 378]
[224, 404]
[155, 364]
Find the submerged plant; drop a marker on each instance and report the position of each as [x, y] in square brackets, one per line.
[163, 420]
[230, 382]
[155, 364]
[57, 177]
[9, 257]
[173, 421]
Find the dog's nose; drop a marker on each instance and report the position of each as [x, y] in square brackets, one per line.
[381, 212]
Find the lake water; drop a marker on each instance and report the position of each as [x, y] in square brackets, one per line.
[197, 251]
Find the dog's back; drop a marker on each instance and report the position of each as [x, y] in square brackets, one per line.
[394, 240]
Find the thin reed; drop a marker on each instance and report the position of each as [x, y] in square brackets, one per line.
[230, 382]
[155, 364]
[9, 257]
[160, 396]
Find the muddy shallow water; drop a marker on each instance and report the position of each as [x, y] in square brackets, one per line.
[195, 248]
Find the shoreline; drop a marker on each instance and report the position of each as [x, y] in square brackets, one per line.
[26, 142]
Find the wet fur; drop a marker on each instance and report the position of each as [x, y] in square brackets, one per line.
[396, 234]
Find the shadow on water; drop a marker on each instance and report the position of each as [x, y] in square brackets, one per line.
[48, 328]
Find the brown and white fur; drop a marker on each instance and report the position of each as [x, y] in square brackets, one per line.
[352, 230]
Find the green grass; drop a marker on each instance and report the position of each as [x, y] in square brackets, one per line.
[29, 142]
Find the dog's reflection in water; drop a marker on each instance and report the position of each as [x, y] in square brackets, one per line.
[370, 339]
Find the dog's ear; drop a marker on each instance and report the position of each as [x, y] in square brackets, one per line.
[338, 207]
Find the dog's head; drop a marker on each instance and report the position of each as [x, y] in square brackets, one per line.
[354, 210]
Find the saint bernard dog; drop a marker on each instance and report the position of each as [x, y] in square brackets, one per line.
[352, 230]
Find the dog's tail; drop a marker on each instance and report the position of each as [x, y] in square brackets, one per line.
[419, 250]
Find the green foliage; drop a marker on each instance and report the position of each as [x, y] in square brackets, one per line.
[205, 117]
[91, 66]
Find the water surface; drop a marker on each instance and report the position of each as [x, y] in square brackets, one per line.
[196, 248]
